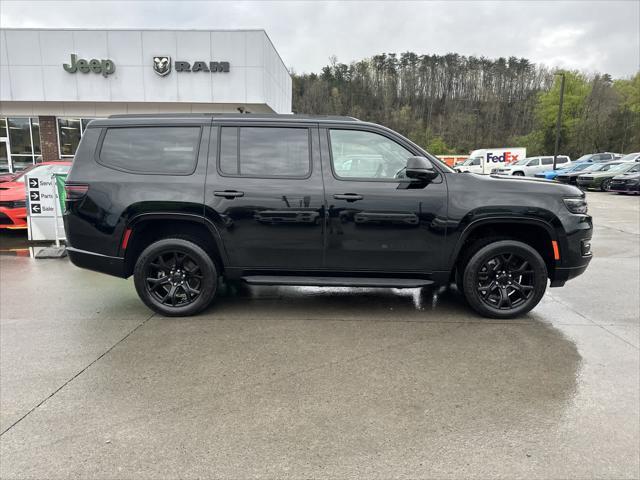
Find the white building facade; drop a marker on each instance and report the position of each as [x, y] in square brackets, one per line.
[53, 82]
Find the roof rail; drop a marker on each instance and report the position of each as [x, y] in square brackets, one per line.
[262, 116]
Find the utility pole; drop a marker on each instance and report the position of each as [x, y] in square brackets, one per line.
[558, 123]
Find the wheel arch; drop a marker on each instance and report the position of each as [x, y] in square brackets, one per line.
[537, 233]
[145, 228]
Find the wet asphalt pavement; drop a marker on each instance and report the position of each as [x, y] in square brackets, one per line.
[322, 383]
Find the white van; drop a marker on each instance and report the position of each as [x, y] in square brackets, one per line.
[486, 159]
[528, 167]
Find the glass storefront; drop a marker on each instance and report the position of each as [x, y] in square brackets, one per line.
[20, 140]
[19, 143]
[70, 130]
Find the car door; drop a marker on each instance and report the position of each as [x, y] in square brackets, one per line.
[377, 221]
[265, 196]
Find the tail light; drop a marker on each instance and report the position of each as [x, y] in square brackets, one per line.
[75, 191]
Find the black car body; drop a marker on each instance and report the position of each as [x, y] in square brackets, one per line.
[625, 183]
[297, 200]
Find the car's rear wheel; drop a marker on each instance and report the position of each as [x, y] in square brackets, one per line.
[504, 279]
[605, 186]
[175, 277]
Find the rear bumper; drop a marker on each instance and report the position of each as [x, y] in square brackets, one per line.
[99, 263]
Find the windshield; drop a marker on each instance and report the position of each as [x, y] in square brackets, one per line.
[599, 167]
[630, 157]
[621, 166]
[471, 160]
[524, 161]
[584, 158]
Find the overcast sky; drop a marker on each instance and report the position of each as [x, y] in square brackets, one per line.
[599, 36]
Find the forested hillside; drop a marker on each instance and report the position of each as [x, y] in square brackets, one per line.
[454, 103]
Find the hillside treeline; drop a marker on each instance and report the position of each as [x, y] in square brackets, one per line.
[454, 103]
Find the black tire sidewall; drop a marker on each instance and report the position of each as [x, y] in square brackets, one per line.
[209, 276]
[485, 253]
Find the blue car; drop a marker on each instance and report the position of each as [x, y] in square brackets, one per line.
[574, 167]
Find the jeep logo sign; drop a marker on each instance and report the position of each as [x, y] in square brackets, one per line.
[162, 66]
[105, 67]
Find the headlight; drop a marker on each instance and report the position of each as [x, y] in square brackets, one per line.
[576, 205]
[633, 181]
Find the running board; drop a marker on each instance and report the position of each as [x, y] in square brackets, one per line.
[337, 281]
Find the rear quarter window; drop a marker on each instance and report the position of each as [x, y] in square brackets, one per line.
[160, 150]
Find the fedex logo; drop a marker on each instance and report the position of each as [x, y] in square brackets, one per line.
[506, 157]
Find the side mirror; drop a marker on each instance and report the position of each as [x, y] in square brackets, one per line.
[420, 168]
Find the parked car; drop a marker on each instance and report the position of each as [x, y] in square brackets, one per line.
[9, 177]
[572, 177]
[601, 179]
[599, 157]
[13, 195]
[528, 167]
[179, 201]
[628, 182]
[567, 167]
[631, 157]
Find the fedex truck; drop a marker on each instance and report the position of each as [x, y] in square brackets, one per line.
[486, 159]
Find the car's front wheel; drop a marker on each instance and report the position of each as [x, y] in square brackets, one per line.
[175, 277]
[518, 174]
[605, 186]
[504, 279]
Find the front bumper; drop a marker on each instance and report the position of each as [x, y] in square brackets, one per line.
[624, 187]
[13, 218]
[574, 248]
[588, 182]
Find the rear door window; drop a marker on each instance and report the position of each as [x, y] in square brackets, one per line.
[549, 160]
[265, 152]
[163, 150]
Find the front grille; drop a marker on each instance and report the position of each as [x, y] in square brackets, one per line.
[13, 204]
[4, 220]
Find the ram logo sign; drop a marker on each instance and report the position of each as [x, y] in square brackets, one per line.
[162, 66]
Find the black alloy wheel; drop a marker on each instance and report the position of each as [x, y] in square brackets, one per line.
[504, 279]
[175, 277]
[605, 186]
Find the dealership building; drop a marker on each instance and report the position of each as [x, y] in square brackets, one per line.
[53, 82]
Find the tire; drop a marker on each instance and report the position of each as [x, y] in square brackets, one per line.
[518, 174]
[492, 273]
[175, 277]
[605, 186]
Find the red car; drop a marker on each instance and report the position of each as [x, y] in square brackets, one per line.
[13, 203]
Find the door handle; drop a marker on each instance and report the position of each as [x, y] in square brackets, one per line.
[228, 194]
[349, 197]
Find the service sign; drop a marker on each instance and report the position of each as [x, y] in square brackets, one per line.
[44, 215]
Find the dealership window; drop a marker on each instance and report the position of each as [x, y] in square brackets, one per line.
[70, 131]
[20, 137]
[265, 152]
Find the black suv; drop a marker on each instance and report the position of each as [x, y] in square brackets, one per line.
[179, 201]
